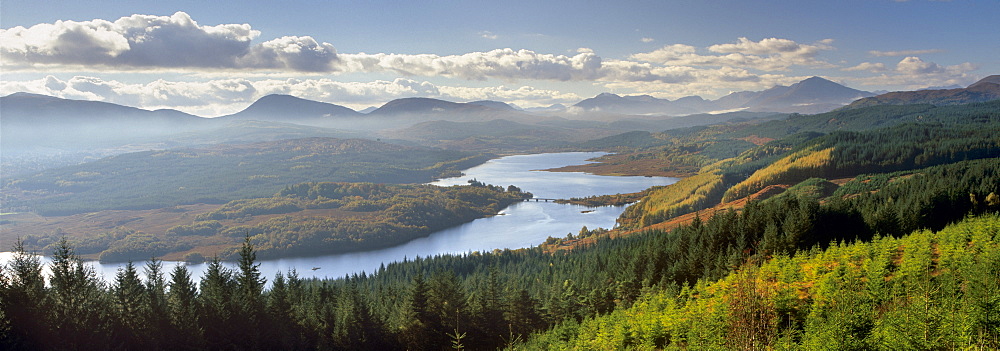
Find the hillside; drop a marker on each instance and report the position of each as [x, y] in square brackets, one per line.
[290, 109]
[922, 287]
[986, 89]
[300, 220]
[771, 269]
[220, 173]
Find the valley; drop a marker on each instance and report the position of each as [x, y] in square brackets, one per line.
[712, 203]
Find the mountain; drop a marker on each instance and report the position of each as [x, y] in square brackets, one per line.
[946, 87]
[32, 121]
[25, 108]
[495, 104]
[424, 105]
[550, 108]
[408, 111]
[41, 131]
[985, 89]
[813, 95]
[290, 109]
[637, 105]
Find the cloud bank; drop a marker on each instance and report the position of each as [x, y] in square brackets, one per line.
[178, 44]
[225, 96]
[771, 54]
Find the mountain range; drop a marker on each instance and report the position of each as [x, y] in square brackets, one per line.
[813, 95]
[985, 89]
[34, 122]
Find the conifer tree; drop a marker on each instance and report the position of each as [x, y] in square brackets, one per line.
[183, 307]
[24, 301]
[250, 305]
[130, 305]
[79, 309]
[218, 310]
[157, 309]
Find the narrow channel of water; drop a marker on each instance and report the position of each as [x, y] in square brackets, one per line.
[520, 225]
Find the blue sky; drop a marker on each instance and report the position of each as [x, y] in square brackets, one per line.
[216, 57]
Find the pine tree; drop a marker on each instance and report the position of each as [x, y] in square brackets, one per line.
[421, 324]
[522, 316]
[130, 304]
[250, 306]
[79, 310]
[159, 316]
[218, 310]
[183, 307]
[24, 302]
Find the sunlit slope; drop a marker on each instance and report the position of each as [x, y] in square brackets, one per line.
[926, 290]
[953, 134]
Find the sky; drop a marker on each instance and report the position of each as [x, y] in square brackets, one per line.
[213, 58]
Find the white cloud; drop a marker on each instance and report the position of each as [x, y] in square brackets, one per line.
[144, 41]
[708, 83]
[488, 35]
[226, 96]
[914, 65]
[914, 73]
[769, 46]
[867, 66]
[506, 64]
[878, 53]
[647, 40]
[136, 40]
[772, 54]
[295, 53]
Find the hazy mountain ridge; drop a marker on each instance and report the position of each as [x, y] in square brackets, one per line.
[985, 89]
[287, 108]
[813, 95]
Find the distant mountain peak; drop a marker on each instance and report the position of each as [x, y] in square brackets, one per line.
[994, 79]
[812, 95]
[494, 104]
[288, 108]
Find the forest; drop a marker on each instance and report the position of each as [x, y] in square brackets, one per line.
[306, 219]
[883, 236]
[222, 173]
[505, 298]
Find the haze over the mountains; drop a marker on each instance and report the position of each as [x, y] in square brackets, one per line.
[813, 95]
[35, 122]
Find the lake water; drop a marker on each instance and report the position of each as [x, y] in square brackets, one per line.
[520, 225]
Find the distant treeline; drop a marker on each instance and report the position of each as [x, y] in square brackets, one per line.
[222, 173]
[371, 216]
